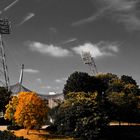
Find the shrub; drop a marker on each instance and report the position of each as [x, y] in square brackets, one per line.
[52, 128]
[81, 115]
[7, 135]
[4, 122]
[14, 127]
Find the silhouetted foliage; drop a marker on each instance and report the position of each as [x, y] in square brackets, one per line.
[4, 98]
[80, 81]
[128, 80]
[106, 80]
[120, 97]
[7, 135]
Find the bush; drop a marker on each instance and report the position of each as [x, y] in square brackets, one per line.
[14, 127]
[52, 128]
[7, 135]
[4, 122]
[81, 116]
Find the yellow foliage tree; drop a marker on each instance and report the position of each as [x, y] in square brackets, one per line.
[31, 110]
[11, 109]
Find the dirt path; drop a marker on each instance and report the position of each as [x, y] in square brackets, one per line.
[38, 135]
[33, 134]
[3, 127]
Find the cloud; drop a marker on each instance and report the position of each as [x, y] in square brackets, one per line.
[27, 17]
[46, 87]
[58, 80]
[131, 22]
[90, 18]
[51, 50]
[10, 5]
[69, 41]
[122, 11]
[62, 80]
[97, 50]
[126, 12]
[52, 93]
[31, 71]
[39, 80]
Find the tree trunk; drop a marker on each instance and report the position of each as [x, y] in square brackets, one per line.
[119, 123]
[28, 131]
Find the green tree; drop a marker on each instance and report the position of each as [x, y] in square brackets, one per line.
[130, 85]
[120, 96]
[122, 106]
[128, 80]
[81, 115]
[106, 79]
[116, 85]
[80, 81]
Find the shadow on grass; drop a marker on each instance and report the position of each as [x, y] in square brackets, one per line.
[50, 136]
[110, 133]
[121, 132]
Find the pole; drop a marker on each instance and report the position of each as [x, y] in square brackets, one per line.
[21, 74]
[4, 63]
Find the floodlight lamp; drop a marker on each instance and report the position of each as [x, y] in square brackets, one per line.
[86, 57]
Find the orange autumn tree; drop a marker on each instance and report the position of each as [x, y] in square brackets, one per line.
[31, 110]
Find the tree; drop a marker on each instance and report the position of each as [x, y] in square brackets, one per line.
[11, 109]
[130, 85]
[120, 96]
[4, 98]
[80, 81]
[81, 115]
[128, 80]
[31, 110]
[122, 106]
[106, 79]
[116, 85]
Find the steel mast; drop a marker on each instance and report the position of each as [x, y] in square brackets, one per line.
[89, 60]
[4, 29]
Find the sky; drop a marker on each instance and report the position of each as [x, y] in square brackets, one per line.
[48, 37]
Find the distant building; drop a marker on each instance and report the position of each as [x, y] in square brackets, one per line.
[53, 100]
[18, 87]
[15, 89]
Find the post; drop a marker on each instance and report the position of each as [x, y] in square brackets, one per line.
[3, 63]
[4, 29]
[21, 74]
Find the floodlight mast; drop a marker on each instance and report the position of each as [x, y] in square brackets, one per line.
[4, 29]
[89, 60]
